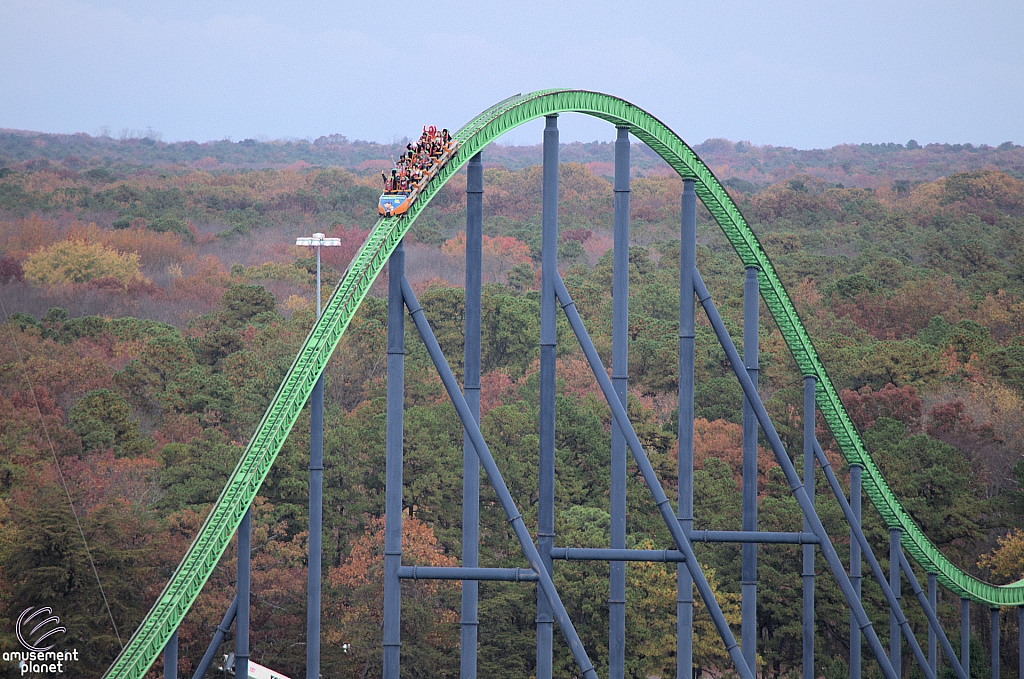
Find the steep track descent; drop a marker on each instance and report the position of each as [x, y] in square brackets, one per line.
[242, 485]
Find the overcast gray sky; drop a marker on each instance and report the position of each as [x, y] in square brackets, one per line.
[804, 74]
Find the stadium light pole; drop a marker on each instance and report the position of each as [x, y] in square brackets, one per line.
[317, 240]
[316, 486]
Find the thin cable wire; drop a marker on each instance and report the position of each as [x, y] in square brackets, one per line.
[60, 472]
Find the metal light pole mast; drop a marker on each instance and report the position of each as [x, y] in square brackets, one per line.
[316, 487]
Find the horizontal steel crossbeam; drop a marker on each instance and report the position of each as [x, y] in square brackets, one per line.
[459, 573]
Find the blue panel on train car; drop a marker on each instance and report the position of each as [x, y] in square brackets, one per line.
[390, 201]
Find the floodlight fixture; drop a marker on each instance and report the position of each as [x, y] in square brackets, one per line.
[317, 240]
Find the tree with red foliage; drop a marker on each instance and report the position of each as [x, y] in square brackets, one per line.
[723, 440]
[898, 403]
[351, 240]
[11, 270]
[579, 235]
[952, 424]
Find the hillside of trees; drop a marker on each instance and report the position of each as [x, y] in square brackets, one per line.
[860, 165]
[153, 301]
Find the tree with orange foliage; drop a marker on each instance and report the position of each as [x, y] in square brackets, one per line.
[20, 237]
[724, 441]
[156, 250]
[500, 253]
[429, 629]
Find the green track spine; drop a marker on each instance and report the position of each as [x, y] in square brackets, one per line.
[148, 641]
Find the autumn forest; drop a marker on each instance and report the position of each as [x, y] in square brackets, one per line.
[153, 300]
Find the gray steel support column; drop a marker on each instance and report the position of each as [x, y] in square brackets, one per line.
[965, 635]
[316, 515]
[808, 571]
[895, 639]
[546, 472]
[508, 505]
[242, 586]
[687, 308]
[218, 639]
[393, 466]
[933, 601]
[876, 570]
[994, 653]
[748, 575]
[661, 501]
[620, 367]
[792, 478]
[171, 657]
[855, 569]
[471, 388]
[933, 620]
[1020, 642]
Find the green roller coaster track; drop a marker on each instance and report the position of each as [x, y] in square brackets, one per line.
[242, 485]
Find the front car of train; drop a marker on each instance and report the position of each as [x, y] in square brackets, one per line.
[418, 165]
[394, 203]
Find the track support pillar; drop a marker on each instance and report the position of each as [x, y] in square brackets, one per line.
[855, 569]
[808, 561]
[748, 577]
[471, 388]
[546, 471]
[393, 466]
[788, 468]
[515, 518]
[883, 583]
[171, 657]
[994, 652]
[895, 638]
[242, 616]
[933, 601]
[965, 635]
[1020, 642]
[687, 308]
[620, 371]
